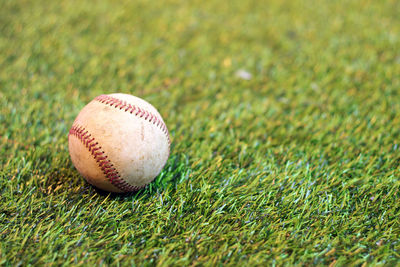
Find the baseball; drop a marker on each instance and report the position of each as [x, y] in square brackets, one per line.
[119, 143]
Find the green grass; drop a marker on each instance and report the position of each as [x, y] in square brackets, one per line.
[298, 165]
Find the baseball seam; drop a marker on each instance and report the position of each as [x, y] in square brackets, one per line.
[101, 158]
[137, 111]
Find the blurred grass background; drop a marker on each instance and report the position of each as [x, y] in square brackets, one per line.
[295, 162]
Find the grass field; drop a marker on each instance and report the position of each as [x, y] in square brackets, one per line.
[297, 164]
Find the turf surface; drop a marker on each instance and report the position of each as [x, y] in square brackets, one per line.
[292, 160]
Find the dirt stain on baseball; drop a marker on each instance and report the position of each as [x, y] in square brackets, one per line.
[142, 131]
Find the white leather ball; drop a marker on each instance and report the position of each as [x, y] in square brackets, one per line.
[119, 143]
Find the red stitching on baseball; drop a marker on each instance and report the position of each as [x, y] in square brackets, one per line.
[141, 113]
[105, 164]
